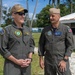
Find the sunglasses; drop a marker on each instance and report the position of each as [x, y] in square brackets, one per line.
[20, 13]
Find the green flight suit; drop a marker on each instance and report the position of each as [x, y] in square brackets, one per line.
[54, 45]
[19, 43]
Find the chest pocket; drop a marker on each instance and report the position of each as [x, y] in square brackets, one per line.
[49, 36]
[59, 36]
[26, 37]
[13, 41]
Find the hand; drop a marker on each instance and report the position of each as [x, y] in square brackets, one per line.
[41, 64]
[19, 61]
[26, 62]
[62, 66]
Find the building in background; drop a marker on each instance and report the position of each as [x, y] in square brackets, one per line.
[69, 20]
[36, 30]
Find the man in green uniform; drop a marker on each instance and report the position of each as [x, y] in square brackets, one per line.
[17, 44]
[56, 45]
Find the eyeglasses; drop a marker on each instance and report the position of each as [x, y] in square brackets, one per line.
[20, 13]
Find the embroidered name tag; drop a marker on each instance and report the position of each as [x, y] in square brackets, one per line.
[58, 33]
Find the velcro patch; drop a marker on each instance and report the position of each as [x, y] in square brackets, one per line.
[69, 29]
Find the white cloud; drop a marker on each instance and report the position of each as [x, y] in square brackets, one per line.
[5, 5]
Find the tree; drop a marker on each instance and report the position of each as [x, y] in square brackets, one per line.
[63, 10]
[43, 17]
[31, 22]
[7, 17]
[70, 4]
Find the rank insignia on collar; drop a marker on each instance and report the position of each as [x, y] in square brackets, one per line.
[49, 33]
[18, 33]
[2, 31]
[26, 33]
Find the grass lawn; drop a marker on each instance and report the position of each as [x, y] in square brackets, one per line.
[1, 65]
[36, 70]
[36, 38]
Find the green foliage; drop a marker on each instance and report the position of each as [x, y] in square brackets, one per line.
[1, 65]
[34, 23]
[63, 9]
[7, 17]
[73, 9]
[43, 17]
[36, 70]
[8, 21]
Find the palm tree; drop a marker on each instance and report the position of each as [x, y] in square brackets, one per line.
[34, 13]
[49, 2]
[54, 2]
[27, 15]
[58, 2]
[30, 23]
[70, 2]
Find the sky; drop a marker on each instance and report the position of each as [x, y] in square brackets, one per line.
[41, 4]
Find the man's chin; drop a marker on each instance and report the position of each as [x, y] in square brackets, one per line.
[22, 22]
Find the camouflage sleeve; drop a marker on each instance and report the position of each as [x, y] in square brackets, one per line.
[3, 43]
[69, 42]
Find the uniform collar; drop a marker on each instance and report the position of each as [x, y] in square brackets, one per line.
[58, 26]
[15, 26]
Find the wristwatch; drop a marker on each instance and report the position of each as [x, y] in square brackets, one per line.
[65, 60]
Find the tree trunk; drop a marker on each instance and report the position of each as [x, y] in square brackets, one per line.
[0, 11]
[49, 2]
[33, 14]
[27, 15]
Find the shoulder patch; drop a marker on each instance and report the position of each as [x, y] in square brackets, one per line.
[69, 29]
[2, 31]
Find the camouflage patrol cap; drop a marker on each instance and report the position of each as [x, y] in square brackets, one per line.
[54, 11]
[18, 8]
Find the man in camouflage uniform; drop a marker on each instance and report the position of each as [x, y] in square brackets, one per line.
[17, 44]
[56, 45]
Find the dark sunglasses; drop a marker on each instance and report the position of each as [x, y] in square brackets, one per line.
[20, 13]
